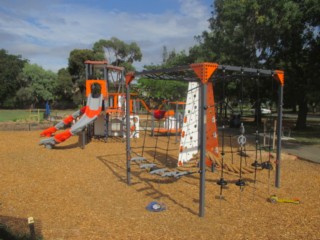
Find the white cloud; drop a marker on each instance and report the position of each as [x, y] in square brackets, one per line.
[46, 31]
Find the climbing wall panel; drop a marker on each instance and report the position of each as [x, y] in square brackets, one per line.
[190, 130]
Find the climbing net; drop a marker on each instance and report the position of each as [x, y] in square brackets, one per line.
[204, 74]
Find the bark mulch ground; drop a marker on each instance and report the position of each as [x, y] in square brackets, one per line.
[75, 193]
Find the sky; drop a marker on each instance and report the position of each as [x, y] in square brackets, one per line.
[46, 31]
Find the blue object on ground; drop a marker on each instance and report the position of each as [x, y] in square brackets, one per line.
[156, 207]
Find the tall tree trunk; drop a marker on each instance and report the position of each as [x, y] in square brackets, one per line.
[302, 115]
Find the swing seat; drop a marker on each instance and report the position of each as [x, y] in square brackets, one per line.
[159, 114]
[175, 174]
[169, 174]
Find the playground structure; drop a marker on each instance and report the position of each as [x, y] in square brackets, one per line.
[165, 119]
[104, 114]
[199, 133]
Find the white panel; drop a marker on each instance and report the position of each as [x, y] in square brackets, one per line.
[115, 126]
[190, 130]
[134, 126]
[170, 123]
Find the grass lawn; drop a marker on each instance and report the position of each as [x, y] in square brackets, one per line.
[14, 115]
[311, 135]
[26, 115]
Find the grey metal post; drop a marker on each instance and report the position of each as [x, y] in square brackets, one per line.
[176, 123]
[279, 127]
[203, 123]
[91, 70]
[128, 155]
[152, 123]
[87, 71]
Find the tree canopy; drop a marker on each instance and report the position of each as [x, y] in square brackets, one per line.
[11, 67]
[159, 90]
[117, 52]
[38, 85]
[282, 34]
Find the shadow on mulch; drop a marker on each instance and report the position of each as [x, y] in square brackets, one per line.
[12, 228]
[150, 188]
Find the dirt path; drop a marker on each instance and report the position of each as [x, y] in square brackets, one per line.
[82, 194]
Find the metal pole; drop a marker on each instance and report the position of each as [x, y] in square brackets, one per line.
[128, 155]
[279, 127]
[87, 71]
[203, 120]
[176, 123]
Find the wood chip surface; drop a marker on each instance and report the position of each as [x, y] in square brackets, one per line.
[75, 193]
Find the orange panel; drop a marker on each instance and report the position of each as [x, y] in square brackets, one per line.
[61, 137]
[48, 132]
[211, 129]
[96, 62]
[280, 76]
[204, 70]
[68, 120]
[102, 83]
[92, 113]
[129, 77]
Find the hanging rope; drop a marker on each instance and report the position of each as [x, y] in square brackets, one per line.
[231, 149]
[242, 141]
[256, 164]
[145, 135]
[258, 104]
[168, 139]
[222, 183]
[156, 144]
[241, 94]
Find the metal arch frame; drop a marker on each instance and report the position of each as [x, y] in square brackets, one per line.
[199, 72]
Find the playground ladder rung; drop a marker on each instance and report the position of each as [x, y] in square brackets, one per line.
[170, 174]
[158, 171]
[180, 174]
[137, 159]
[175, 174]
[147, 165]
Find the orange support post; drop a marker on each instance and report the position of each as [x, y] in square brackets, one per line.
[279, 75]
[211, 129]
[129, 77]
[204, 70]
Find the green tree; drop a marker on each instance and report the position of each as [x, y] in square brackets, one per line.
[118, 52]
[159, 90]
[76, 68]
[299, 56]
[38, 85]
[11, 67]
[64, 89]
[273, 34]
